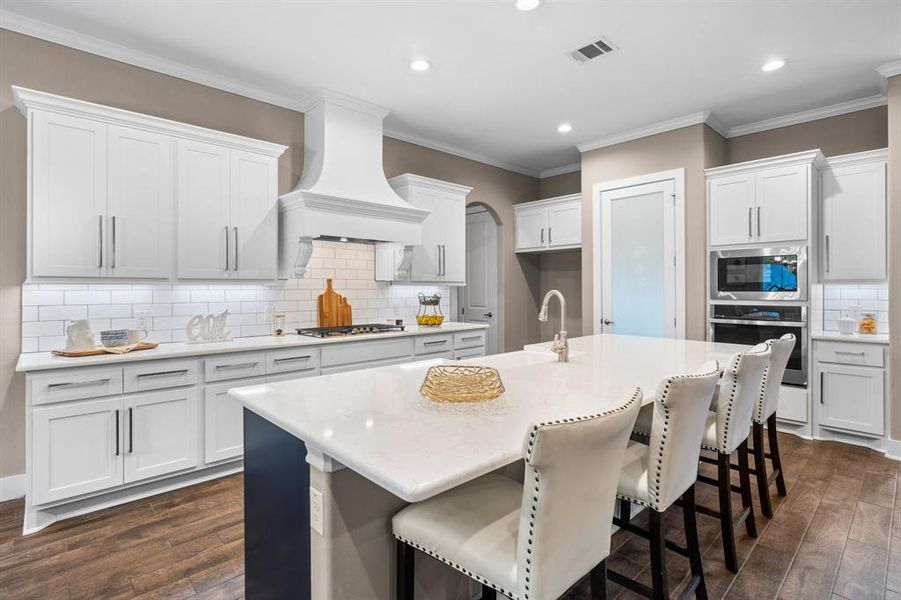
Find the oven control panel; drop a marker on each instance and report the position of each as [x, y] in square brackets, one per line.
[758, 312]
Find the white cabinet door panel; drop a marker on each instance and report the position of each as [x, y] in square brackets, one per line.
[254, 216]
[531, 228]
[854, 222]
[139, 217]
[731, 209]
[564, 226]
[68, 180]
[161, 433]
[223, 422]
[781, 213]
[203, 210]
[75, 449]
[852, 398]
[427, 265]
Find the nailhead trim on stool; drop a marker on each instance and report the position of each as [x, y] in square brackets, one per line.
[721, 444]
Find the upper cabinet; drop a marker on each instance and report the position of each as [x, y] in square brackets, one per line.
[104, 184]
[552, 224]
[441, 257]
[765, 201]
[853, 240]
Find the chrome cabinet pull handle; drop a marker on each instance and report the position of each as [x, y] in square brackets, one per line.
[549, 238]
[438, 259]
[71, 384]
[117, 431]
[227, 251]
[113, 259]
[828, 254]
[434, 342]
[750, 230]
[471, 338]
[292, 358]
[542, 235]
[758, 221]
[131, 430]
[443, 260]
[236, 248]
[100, 236]
[238, 366]
[822, 389]
[163, 373]
[849, 352]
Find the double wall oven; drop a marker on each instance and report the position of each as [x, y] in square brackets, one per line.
[758, 294]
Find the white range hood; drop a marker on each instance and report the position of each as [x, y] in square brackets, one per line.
[343, 192]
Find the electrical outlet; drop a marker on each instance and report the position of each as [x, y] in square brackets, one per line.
[317, 511]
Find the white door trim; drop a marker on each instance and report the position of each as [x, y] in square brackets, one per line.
[678, 178]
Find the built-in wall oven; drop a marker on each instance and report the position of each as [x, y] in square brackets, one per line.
[750, 324]
[759, 274]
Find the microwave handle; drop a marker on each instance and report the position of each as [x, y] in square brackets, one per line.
[801, 324]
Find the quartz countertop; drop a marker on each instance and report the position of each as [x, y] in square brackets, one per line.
[39, 361]
[375, 421]
[834, 336]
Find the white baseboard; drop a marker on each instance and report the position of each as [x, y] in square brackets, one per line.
[893, 449]
[12, 487]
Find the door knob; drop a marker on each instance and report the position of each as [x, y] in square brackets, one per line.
[607, 322]
[488, 314]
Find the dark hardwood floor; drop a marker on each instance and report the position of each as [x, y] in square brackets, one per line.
[836, 536]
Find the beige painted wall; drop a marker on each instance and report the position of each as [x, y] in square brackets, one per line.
[844, 134]
[560, 185]
[894, 163]
[49, 67]
[693, 148]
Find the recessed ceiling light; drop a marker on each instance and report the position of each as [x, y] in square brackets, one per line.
[773, 65]
[564, 128]
[420, 64]
[527, 4]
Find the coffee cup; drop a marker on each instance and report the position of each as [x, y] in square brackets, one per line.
[136, 335]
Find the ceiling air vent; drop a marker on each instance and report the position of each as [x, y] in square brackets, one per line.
[592, 51]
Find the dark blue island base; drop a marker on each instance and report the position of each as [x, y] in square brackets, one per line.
[276, 513]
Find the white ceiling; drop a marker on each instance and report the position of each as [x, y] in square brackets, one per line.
[501, 81]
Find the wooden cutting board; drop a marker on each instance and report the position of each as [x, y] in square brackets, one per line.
[99, 351]
[334, 309]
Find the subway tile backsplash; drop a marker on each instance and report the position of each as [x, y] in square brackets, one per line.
[48, 307]
[870, 298]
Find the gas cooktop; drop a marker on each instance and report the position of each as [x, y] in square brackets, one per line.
[323, 332]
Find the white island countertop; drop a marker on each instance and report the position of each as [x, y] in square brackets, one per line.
[39, 361]
[375, 421]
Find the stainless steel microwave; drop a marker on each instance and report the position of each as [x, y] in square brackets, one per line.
[759, 274]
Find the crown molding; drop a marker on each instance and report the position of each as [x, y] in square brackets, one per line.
[570, 168]
[327, 96]
[833, 110]
[857, 158]
[716, 124]
[890, 69]
[640, 132]
[448, 149]
[72, 39]
[807, 157]
[437, 185]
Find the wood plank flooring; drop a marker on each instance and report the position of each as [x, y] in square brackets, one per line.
[836, 536]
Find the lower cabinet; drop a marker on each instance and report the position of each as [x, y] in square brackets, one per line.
[76, 449]
[852, 398]
[223, 423]
[161, 433]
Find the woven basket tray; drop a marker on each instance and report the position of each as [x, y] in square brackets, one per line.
[450, 383]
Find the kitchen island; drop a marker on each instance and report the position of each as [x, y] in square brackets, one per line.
[362, 445]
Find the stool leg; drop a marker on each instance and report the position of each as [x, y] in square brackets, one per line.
[726, 527]
[598, 581]
[763, 485]
[693, 544]
[405, 565]
[625, 510]
[488, 593]
[658, 555]
[774, 452]
[744, 476]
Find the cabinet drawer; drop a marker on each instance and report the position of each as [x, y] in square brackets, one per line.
[469, 339]
[469, 353]
[233, 366]
[74, 384]
[158, 375]
[292, 359]
[792, 404]
[430, 344]
[851, 353]
[449, 355]
[362, 352]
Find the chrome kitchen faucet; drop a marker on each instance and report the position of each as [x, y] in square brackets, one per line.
[560, 345]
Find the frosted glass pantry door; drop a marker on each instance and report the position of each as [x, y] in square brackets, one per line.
[638, 260]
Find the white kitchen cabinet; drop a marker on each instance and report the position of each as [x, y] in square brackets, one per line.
[68, 196]
[852, 398]
[854, 220]
[441, 257]
[76, 448]
[223, 422]
[765, 201]
[546, 225]
[161, 433]
[139, 219]
[104, 184]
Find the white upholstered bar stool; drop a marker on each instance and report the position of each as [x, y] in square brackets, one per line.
[765, 414]
[727, 431]
[659, 473]
[530, 541]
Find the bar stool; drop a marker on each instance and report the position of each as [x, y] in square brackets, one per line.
[530, 541]
[658, 474]
[727, 431]
[765, 414]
